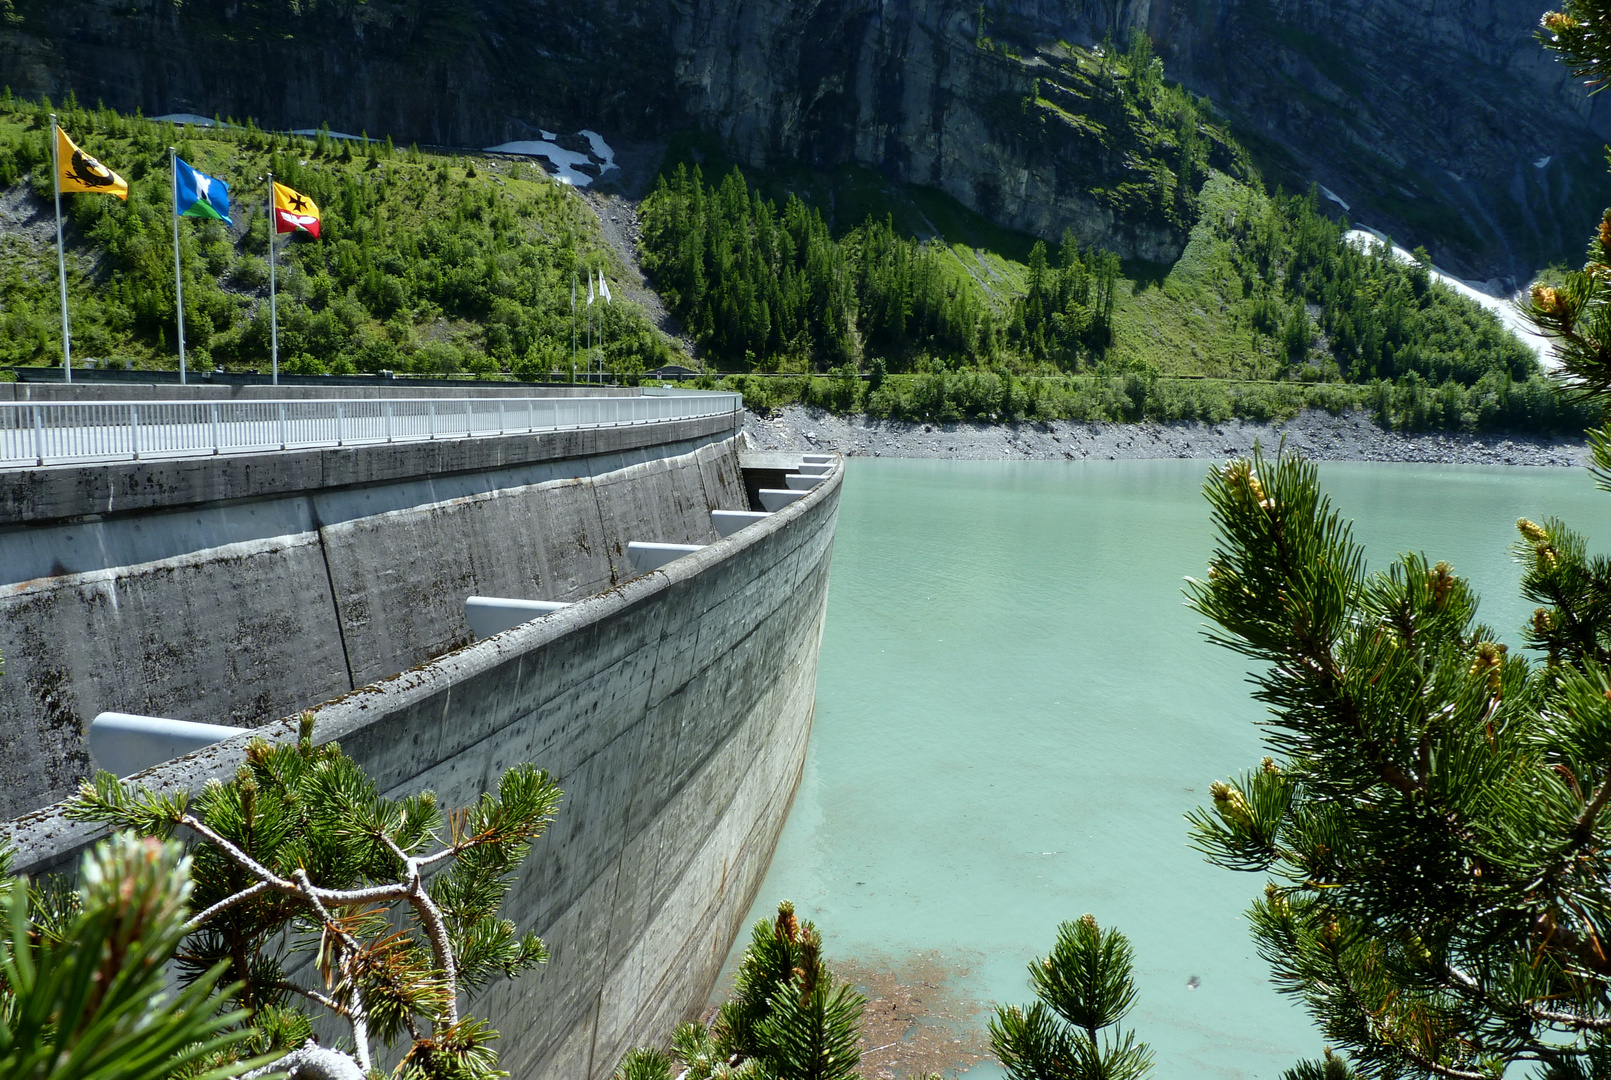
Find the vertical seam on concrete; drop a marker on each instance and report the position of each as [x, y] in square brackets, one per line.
[604, 531]
[335, 599]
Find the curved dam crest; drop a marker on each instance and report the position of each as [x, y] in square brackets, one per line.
[673, 707]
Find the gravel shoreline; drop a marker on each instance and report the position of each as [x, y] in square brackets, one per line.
[1317, 435]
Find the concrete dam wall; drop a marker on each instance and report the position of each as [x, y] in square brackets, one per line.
[673, 707]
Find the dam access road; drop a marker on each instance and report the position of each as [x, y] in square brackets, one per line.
[238, 583]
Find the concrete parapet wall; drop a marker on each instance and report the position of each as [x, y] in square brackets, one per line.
[673, 708]
[310, 574]
[57, 492]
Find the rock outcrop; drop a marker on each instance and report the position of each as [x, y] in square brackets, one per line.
[1441, 121]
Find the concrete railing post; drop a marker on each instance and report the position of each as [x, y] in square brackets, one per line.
[387, 405]
[39, 435]
[433, 418]
[215, 427]
[283, 443]
[341, 424]
[134, 430]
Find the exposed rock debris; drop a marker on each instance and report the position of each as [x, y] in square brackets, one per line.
[1318, 435]
[916, 1021]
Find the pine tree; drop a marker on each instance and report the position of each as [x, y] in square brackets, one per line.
[300, 847]
[1433, 833]
[788, 1018]
[82, 976]
[1083, 987]
[1432, 818]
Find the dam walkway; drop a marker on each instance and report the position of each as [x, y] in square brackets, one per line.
[35, 434]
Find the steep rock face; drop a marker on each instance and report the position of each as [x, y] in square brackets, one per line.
[446, 72]
[1432, 119]
[1442, 121]
[1033, 141]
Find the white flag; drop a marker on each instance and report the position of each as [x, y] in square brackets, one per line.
[590, 290]
[604, 288]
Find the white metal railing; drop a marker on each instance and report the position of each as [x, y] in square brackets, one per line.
[47, 432]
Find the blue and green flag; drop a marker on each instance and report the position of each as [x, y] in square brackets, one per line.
[198, 195]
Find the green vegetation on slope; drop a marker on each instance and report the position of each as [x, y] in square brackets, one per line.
[1268, 300]
[1268, 288]
[428, 263]
[998, 395]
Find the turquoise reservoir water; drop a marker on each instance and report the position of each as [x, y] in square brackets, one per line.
[1015, 709]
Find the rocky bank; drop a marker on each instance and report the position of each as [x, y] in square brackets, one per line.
[1318, 435]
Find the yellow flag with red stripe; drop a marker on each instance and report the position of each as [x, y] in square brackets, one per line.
[77, 171]
[294, 211]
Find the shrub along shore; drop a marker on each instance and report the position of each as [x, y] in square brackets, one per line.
[1494, 404]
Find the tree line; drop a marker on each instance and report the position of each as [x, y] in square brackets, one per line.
[763, 288]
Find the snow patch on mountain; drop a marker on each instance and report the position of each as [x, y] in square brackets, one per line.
[1502, 306]
[566, 165]
[601, 151]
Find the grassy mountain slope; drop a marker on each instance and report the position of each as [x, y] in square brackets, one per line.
[428, 263]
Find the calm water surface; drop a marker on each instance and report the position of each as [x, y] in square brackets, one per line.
[1014, 711]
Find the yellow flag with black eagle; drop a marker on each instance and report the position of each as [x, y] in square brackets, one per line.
[77, 171]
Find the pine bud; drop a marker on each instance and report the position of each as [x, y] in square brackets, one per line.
[787, 926]
[1605, 234]
[1089, 920]
[1231, 803]
[1533, 531]
[1269, 765]
[1558, 22]
[1239, 474]
[1441, 581]
[1490, 659]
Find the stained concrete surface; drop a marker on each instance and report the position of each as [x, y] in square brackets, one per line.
[674, 710]
[239, 611]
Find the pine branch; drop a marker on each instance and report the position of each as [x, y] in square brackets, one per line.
[1583, 830]
[436, 929]
[355, 1014]
[197, 921]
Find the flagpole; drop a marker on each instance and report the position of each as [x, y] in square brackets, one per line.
[61, 257]
[178, 281]
[274, 315]
[573, 327]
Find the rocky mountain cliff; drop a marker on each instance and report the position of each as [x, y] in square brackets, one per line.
[1440, 121]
